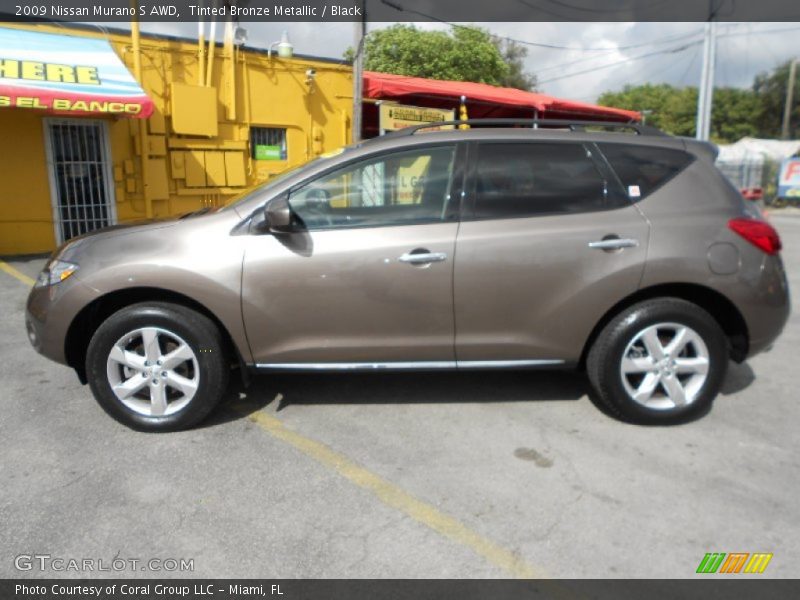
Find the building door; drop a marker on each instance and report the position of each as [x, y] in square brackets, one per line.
[80, 181]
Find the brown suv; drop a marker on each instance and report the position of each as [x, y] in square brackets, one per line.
[628, 255]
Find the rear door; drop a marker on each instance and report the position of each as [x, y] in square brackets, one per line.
[549, 243]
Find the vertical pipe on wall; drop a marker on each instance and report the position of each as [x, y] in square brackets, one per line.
[137, 72]
[201, 51]
[359, 32]
[247, 111]
[230, 78]
[135, 42]
[212, 43]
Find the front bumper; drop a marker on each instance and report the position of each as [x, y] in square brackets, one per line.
[49, 313]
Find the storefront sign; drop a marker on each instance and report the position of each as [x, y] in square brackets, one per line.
[397, 116]
[789, 179]
[66, 75]
[264, 152]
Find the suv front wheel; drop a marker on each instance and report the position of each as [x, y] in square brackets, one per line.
[660, 361]
[157, 366]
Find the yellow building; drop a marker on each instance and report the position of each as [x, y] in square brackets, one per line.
[215, 131]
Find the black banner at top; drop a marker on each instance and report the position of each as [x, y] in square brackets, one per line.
[400, 10]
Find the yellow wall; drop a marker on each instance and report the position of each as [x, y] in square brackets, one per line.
[26, 216]
[184, 172]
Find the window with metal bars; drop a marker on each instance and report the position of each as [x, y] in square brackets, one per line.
[268, 143]
[79, 164]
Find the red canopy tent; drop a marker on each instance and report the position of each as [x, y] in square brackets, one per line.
[482, 100]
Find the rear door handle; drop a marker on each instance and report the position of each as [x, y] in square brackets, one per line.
[422, 258]
[614, 244]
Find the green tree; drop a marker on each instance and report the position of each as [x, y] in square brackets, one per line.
[514, 55]
[770, 87]
[674, 110]
[735, 115]
[666, 107]
[463, 54]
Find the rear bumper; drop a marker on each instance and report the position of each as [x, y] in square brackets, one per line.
[766, 309]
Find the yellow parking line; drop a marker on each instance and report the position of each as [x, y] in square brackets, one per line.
[7, 268]
[393, 496]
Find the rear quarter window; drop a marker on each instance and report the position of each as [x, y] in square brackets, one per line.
[643, 169]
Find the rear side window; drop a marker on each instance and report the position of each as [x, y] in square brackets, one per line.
[642, 169]
[527, 179]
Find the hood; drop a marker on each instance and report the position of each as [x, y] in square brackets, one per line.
[82, 242]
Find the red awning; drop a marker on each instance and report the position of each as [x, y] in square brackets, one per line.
[485, 100]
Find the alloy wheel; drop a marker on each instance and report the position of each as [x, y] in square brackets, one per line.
[665, 366]
[153, 371]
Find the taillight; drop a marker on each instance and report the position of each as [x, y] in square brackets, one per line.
[759, 233]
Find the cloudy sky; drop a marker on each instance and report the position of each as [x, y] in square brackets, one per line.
[590, 58]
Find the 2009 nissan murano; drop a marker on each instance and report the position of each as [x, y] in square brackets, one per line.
[621, 251]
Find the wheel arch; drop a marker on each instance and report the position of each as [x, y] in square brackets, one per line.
[723, 311]
[86, 322]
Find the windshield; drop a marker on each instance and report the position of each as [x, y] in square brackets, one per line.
[266, 186]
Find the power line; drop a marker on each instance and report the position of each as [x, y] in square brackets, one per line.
[603, 48]
[621, 62]
[585, 9]
[579, 48]
[681, 48]
[657, 42]
[654, 76]
[401, 8]
[656, 53]
[689, 67]
[751, 32]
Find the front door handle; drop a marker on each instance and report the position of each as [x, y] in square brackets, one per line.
[422, 257]
[614, 243]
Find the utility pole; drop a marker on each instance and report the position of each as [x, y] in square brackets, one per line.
[787, 109]
[359, 31]
[705, 99]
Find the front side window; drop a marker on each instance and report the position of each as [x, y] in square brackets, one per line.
[528, 179]
[393, 189]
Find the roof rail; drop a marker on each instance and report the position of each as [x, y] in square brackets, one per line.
[533, 123]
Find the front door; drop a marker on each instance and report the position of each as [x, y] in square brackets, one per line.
[551, 242]
[367, 280]
[80, 182]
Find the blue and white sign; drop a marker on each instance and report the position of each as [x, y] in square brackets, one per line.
[789, 178]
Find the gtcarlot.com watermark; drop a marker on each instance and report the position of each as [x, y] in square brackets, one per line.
[60, 564]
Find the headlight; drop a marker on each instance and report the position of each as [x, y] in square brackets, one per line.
[55, 272]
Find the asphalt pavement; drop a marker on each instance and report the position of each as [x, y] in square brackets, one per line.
[432, 475]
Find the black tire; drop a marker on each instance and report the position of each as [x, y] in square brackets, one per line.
[199, 333]
[603, 364]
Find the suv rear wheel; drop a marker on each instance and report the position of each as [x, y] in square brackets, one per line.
[660, 361]
[157, 366]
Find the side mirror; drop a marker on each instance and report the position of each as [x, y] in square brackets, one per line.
[278, 215]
